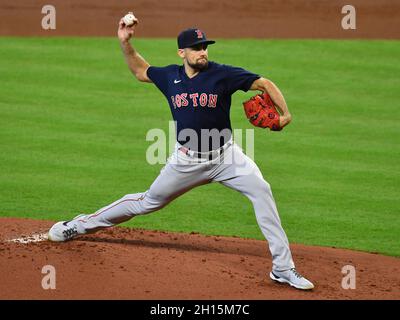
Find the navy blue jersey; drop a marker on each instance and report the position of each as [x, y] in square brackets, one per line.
[201, 104]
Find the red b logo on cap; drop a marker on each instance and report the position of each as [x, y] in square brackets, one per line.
[199, 34]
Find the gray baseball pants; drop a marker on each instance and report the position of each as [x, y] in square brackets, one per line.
[183, 172]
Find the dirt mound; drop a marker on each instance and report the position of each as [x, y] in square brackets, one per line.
[122, 263]
[223, 19]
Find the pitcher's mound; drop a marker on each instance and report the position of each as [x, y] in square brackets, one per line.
[122, 263]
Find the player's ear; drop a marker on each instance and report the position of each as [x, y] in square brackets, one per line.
[181, 53]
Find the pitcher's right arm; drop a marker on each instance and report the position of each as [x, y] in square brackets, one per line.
[135, 61]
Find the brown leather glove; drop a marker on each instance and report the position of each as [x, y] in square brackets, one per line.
[261, 112]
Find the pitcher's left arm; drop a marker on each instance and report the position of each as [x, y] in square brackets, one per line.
[267, 86]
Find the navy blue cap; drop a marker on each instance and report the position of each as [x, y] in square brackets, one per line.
[191, 37]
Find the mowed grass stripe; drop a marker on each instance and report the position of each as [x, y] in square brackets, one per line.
[74, 123]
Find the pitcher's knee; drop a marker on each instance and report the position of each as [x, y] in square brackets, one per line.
[151, 207]
[148, 204]
[133, 197]
[134, 204]
[261, 186]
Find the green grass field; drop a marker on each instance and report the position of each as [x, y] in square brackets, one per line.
[74, 121]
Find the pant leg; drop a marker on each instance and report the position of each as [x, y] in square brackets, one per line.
[174, 180]
[240, 173]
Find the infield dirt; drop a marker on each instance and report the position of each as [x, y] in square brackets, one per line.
[122, 263]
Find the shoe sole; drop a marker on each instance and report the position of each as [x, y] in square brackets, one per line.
[281, 280]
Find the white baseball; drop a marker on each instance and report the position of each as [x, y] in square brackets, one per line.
[129, 19]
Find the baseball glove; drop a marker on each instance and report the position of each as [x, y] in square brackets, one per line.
[261, 112]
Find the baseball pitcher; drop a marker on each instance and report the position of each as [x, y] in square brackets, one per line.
[199, 96]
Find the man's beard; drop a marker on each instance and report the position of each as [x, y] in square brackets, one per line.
[199, 66]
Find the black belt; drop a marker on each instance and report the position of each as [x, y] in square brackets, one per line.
[210, 155]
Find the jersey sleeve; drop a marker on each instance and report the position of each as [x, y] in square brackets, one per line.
[159, 76]
[239, 79]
